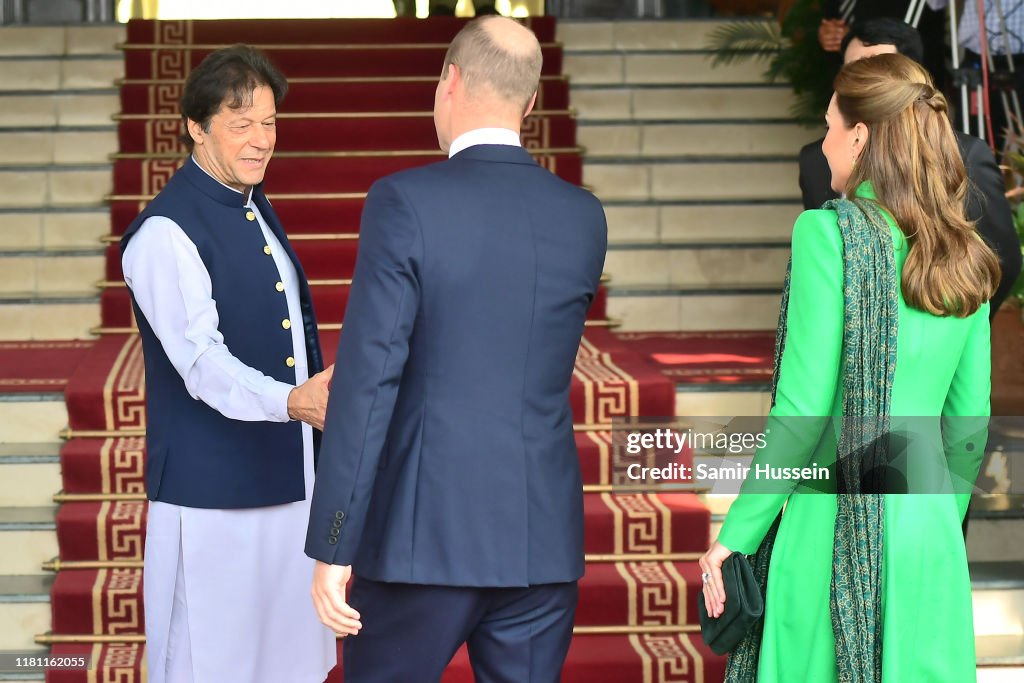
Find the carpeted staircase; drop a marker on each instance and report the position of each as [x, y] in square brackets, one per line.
[692, 249]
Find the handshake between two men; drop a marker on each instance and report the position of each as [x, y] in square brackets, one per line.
[308, 401]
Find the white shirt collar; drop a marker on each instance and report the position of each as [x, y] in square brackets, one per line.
[248, 197]
[484, 136]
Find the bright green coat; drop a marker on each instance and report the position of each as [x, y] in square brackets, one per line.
[942, 368]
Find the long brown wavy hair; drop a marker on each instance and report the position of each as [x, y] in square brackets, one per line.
[912, 160]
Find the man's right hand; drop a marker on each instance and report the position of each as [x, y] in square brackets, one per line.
[308, 401]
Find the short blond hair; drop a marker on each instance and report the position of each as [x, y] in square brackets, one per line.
[483, 61]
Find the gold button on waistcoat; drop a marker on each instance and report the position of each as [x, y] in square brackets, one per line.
[289, 361]
[250, 216]
[286, 324]
[266, 249]
[279, 286]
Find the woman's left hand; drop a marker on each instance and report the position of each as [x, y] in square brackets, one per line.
[714, 587]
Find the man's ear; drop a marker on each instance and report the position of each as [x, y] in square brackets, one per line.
[529, 107]
[195, 130]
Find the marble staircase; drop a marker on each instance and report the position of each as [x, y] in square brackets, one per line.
[57, 96]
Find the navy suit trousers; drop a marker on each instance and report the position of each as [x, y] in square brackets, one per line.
[410, 632]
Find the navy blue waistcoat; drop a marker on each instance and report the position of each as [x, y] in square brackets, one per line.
[195, 456]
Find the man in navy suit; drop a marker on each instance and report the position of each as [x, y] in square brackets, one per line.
[448, 479]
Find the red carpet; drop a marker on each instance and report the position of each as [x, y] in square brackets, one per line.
[707, 357]
[643, 658]
[309, 61]
[318, 134]
[606, 594]
[266, 32]
[637, 616]
[407, 94]
[637, 524]
[107, 392]
[115, 464]
[302, 177]
[39, 366]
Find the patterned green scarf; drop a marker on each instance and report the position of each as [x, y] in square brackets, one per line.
[870, 305]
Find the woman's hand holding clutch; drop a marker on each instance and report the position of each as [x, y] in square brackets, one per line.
[714, 587]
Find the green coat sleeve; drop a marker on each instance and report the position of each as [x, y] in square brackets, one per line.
[967, 408]
[808, 379]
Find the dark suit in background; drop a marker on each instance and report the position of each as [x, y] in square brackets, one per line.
[448, 474]
[932, 28]
[986, 202]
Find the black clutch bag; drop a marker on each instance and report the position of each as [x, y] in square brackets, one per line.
[744, 605]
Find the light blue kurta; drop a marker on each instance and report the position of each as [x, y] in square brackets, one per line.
[227, 592]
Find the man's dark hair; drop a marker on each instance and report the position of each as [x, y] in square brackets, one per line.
[227, 77]
[887, 31]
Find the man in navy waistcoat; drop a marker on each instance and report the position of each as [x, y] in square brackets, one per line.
[230, 345]
[448, 480]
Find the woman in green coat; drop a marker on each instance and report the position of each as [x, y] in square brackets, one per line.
[885, 318]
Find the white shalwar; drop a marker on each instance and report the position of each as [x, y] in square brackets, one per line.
[227, 592]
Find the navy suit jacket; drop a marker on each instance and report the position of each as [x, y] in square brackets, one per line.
[449, 456]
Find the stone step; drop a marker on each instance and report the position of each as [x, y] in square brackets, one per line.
[1000, 656]
[662, 67]
[693, 181]
[998, 597]
[694, 309]
[51, 74]
[43, 275]
[28, 538]
[49, 318]
[705, 140]
[58, 109]
[636, 36]
[993, 538]
[732, 223]
[31, 418]
[29, 474]
[24, 610]
[734, 400]
[1000, 674]
[34, 146]
[54, 231]
[54, 186]
[692, 267]
[42, 41]
[681, 102]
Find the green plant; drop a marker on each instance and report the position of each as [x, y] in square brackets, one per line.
[792, 51]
